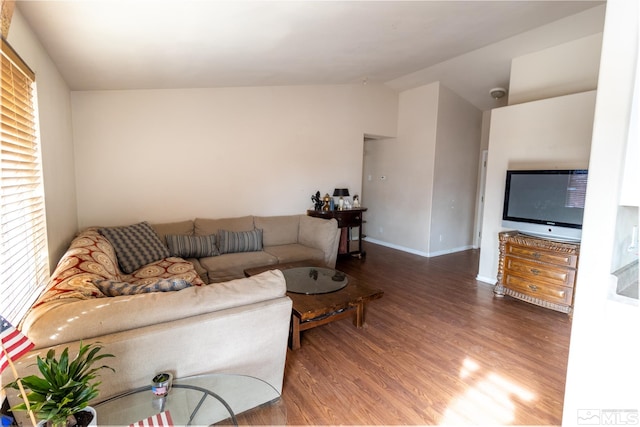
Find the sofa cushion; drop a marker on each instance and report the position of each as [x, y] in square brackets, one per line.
[202, 227]
[115, 288]
[184, 246]
[278, 230]
[232, 266]
[294, 252]
[179, 227]
[239, 241]
[202, 272]
[167, 268]
[135, 245]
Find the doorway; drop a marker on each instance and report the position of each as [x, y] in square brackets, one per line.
[482, 177]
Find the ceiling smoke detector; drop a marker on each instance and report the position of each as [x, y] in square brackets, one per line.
[497, 92]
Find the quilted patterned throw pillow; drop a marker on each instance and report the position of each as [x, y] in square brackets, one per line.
[185, 246]
[135, 245]
[239, 241]
[114, 288]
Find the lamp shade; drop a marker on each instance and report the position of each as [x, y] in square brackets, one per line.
[341, 192]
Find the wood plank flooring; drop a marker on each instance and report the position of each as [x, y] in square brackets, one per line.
[437, 349]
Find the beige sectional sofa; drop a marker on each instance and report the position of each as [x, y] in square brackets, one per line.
[235, 325]
[284, 239]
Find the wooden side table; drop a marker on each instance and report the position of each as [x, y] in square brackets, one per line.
[347, 219]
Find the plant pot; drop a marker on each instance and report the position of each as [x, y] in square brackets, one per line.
[92, 423]
[94, 419]
[161, 384]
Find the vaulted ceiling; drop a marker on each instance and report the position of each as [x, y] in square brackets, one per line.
[151, 44]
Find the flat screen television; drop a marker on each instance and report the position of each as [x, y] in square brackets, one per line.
[545, 203]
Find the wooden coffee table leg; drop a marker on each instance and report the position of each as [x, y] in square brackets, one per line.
[295, 332]
[359, 319]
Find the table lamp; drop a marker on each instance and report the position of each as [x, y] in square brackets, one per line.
[341, 192]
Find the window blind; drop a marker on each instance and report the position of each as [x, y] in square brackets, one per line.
[24, 261]
[576, 191]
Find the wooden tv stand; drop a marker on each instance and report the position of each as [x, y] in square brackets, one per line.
[537, 270]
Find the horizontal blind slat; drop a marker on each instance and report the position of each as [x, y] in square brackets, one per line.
[16, 102]
[24, 263]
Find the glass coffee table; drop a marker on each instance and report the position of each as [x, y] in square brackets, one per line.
[222, 399]
[320, 295]
[314, 280]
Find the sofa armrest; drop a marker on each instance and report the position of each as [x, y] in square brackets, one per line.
[322, 234]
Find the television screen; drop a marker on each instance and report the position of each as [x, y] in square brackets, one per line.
[550, 197]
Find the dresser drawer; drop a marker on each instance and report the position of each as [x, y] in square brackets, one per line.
[534, 271]
[556, 294]
[555, 258]
[349, 219]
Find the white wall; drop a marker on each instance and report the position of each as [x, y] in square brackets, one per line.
[623, 254]
[551, 134]
[165, 155]
[430, 174]
[486, 126]
[570, 67]
[402, 213]
[602, 372]
[379, 196]
[54, 108]
[455, 174]
[552, 131]
[482, 174]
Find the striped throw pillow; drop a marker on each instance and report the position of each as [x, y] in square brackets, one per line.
[239, 241]
[136, 245]
[185, 246]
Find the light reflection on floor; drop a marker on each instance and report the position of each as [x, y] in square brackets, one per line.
[487, 401]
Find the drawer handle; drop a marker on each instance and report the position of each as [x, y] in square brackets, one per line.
[534, 288]
[535, 271]
[536, 255]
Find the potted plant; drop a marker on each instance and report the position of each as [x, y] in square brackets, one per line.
[63, 393]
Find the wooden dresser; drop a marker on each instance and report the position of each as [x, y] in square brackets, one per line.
[537, 270]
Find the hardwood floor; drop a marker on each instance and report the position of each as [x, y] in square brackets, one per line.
[438, 348]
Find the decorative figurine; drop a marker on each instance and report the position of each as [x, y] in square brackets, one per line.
[317, 201]
[326, 205]
[356, 201]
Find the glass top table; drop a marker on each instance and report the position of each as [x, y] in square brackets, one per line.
[200, 400]
[320, 295]
[314, 280]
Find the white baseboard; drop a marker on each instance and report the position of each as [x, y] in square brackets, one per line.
[450, 251]
[392, 246]
[414, 251]
[488, 280]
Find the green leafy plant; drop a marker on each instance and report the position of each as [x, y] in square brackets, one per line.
[66, 386]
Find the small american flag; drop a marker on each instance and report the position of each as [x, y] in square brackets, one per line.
[14, 342]
[161, 419]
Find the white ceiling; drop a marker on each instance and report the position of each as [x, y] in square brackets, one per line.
[152, 44]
